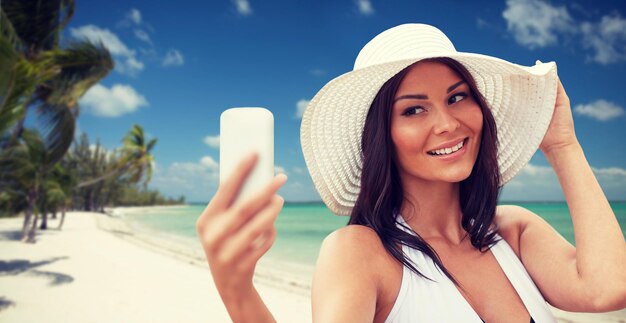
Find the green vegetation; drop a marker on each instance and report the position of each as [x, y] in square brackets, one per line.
[39, 172]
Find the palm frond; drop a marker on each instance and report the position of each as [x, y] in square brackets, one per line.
[151, 144]
[19, 81]
[135, 138]
[8, 59]
[81, 65]
[17, 167]
[67, 12]
[36, 22]
[8, 32]
[58, 125]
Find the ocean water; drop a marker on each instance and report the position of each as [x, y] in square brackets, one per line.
[303, 226]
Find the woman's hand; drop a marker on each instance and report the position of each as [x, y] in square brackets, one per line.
[561, 129]
[235, 236]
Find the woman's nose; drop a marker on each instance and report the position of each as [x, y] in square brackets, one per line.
[444, 121]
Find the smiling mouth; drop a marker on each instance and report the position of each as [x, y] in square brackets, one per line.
[450, 150]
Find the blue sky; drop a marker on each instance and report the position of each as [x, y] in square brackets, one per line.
[180, 64]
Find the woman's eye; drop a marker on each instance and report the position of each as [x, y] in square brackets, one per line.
[412, 110]
[457, 97]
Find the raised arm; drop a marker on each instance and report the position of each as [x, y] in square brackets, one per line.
[592, 276]
[235, 236]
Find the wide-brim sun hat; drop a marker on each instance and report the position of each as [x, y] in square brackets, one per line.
[521, 99]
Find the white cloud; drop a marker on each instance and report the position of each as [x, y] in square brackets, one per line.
[536, 23]
[209, 163]
[173, 58]
[118, 100]
[607, 38]
[243, 7]
[540, 183]
[134, 15]
[196, 181]
[298, 170]
[143, 36]
[279, 170]
[365, 7]
[126, 60]
[97, 34]
[318, 72]
[108, 153]
[300, 107]
[212, 141]
[600, 110]
[481, 23]
[610, 172]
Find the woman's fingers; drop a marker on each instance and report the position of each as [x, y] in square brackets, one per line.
[250, 258]
[228, 190]
[246, 209]
[251, 235]
[215, 230]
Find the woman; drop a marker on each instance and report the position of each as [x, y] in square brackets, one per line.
[414, 144]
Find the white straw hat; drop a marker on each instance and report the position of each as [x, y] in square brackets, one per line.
[521, 100]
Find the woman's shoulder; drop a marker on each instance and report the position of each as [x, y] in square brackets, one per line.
[511, 221]
[354, 242]
[355, 250]
[353, 235]
[348, 274]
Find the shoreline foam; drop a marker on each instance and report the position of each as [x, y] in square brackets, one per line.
[290, 277]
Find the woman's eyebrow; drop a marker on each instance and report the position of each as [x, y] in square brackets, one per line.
[425, 97]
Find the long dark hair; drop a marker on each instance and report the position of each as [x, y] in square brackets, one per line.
[381, 192]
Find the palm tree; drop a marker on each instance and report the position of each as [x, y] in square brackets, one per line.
[24, 168]
[53, 199]
[54, 193]
[35, 71]
[135, 162]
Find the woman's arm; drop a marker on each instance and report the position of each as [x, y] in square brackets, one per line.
[344, 285]
[235, 236]
[592, 276]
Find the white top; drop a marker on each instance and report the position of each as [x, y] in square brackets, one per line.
[422, 300]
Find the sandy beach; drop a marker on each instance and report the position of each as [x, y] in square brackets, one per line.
[87, 274]
[96, 270]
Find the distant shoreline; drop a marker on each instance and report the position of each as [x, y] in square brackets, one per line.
[499, 202]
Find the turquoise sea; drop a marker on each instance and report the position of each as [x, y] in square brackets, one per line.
[302, 226]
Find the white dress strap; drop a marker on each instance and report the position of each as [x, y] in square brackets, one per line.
[522, 282]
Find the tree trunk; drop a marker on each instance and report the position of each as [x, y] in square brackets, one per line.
[44, 208]
[92, 204]
[86, 201]
[62, 218]
[31, 198]
[33, 230]
[54, 215]
[103, 177]
[28, 214]
[44, 219]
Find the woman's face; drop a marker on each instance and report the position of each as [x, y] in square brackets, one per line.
[436, 125]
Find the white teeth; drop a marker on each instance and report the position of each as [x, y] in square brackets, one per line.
[446, 151]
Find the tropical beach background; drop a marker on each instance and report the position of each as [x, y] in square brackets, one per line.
[109, 136]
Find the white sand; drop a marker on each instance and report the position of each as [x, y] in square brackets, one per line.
[83, 274]
[94, 271]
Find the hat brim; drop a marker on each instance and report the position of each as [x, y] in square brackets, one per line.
[521, 99]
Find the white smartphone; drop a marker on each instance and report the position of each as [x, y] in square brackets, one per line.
[243, 130]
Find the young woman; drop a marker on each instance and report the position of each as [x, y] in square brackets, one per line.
[414, 145]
